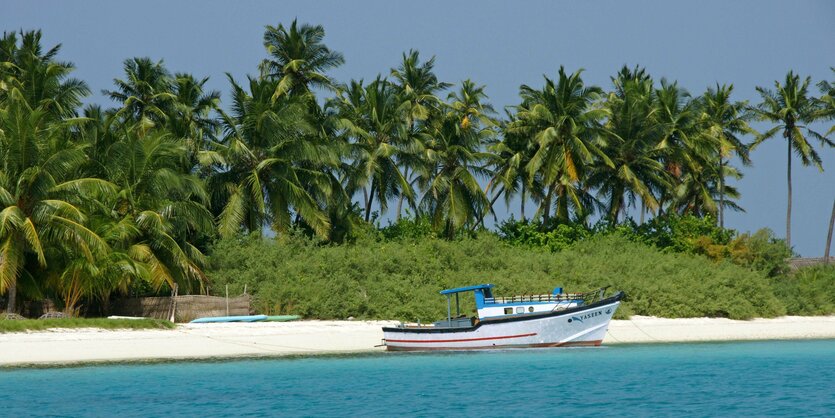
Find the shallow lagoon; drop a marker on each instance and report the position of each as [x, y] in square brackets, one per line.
[782, 378]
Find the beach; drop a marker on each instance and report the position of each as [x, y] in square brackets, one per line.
[268, 339]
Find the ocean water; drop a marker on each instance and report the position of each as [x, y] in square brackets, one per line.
[784, 378]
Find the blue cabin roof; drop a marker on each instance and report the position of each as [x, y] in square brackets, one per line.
[466, 289]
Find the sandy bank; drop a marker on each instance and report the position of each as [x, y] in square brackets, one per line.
[196, 341]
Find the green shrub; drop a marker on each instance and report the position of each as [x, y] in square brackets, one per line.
[408, 228]
[556, 237]
[808, 291]
[684, 234]
[760, 251]
[401, 280]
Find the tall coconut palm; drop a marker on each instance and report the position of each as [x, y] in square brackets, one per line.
[43, 81]
[374, 120]
[298, 59]
[722, 122]
[563, 122]
[145, 93]
[39, 168]
[267, 164]
[827, 101]
[191, 115]
[682, 151]
[509, 159]
[631, 138]
[453, 198]
[792, 109]
[417, 87]
[159, 210]
[697, 191]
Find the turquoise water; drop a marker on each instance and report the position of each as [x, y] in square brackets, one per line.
[788, 378]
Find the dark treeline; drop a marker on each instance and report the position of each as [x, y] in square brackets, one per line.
[99, 200]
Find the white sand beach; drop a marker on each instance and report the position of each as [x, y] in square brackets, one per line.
[204, 341]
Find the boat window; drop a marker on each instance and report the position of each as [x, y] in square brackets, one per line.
[520, 310]
[530, 308]
[508, 311]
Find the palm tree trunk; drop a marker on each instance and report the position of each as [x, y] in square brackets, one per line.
[721, 192]
[370, 202]
[643, 210]
[490, 209]
[829, 235]
[546, 215]
[523, 201]
[365, 197]
[616, 207]
[562, 205]
[789, 207]
[12, 295]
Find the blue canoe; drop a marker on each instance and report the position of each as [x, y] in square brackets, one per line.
[244, 318]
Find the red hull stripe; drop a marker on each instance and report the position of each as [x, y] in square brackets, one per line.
[595, 343]
[462, 340]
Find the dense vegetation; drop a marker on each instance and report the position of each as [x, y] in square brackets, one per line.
[400, 279]
[99, 201]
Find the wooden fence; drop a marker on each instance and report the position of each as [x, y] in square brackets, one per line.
[182, 308]
[796, 263]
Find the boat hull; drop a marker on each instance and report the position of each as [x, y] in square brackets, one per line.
[580, 326]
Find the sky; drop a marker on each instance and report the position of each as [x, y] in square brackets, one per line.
[499, 44]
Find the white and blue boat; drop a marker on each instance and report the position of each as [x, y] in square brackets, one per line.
[556, 319]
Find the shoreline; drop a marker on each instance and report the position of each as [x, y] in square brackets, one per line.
[196, 342]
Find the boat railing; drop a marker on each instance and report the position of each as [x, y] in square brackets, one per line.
[563, 297]
[587, 297]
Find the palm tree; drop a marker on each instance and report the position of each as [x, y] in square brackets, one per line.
[682, 151]
[37, 185]
[267, 163]
[298, 59]
[43, 81]
[792, 108]
[147, 92]
[509, 159]
[563, 123]
[631, 138]
[191, 114]
[373, 117]
[39, 172]
[827, 101]
[417, 87]
[453, 197]
[698, 190]
[722, 121]
[159, 209]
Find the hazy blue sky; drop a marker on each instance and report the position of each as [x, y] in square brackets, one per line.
[500, 44]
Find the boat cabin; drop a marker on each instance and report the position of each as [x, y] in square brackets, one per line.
[489, 306]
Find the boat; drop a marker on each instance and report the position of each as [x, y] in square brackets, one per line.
[556, 319]
[241, 318]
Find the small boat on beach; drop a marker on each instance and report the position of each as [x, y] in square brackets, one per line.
[557, 319]
[240, 318]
